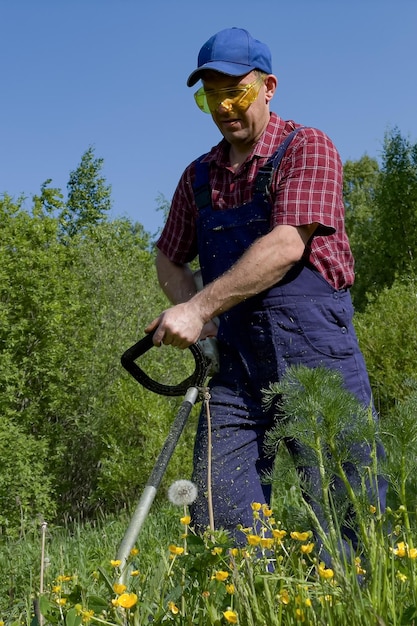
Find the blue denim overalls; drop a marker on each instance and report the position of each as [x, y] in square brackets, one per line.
[301, 320]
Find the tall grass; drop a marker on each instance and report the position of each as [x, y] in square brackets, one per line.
[278, 578]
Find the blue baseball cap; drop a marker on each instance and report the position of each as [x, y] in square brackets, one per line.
[232, 51]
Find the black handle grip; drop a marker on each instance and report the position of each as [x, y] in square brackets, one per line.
[197, 378]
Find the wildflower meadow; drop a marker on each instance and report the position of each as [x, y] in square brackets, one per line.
[70, 576]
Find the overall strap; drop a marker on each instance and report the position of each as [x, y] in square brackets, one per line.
[264, 176]
[201, 187]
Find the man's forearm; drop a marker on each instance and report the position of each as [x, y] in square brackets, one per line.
[264, 264]
[176, 281]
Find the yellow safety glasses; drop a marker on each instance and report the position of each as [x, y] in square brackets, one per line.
[229, 98]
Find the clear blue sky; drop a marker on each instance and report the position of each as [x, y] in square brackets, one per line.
[112, 74]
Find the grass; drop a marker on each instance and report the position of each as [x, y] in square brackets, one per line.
[278, 578]
[76, 549]
[184, 579]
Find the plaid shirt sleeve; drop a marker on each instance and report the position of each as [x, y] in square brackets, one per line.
[309, 188]
[178, 240]
[309, 183]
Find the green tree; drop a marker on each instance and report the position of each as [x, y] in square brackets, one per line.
[89, 197]
[360, 183]
[68, 310]
[396, 220]
[32, 307]
[381, 216]
[387, 332]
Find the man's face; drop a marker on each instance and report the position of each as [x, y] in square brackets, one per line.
[239, 127]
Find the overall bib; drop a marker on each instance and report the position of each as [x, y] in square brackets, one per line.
[300, 320]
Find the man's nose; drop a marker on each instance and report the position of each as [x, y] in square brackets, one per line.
[225, 106]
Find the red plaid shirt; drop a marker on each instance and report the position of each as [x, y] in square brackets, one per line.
[306, 188]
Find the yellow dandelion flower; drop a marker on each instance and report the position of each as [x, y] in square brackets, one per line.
[134, 552]
[308, 602]
[62, 601]
[56, 588]
[115, 562]
[185, 520]
[256, 506]
[300, 536]
[1, 622]
[401, 577]
[217, 550]
[359, 568]
[173, 608]
[299, 615]
[221, 575]
[127, 600]
[234, 551]
[119, 588]
[254, 540]
[175, 549]
[307, 548]
[230, 616]
[412, 553]
[324, 572]
[284, 597]
[267, 542]
[279, 534]
[372, 509]
[266, 510]
[327, 599]
[63, 578]
[135, 572]
[87, 616]
[400, 550]
[230, 588]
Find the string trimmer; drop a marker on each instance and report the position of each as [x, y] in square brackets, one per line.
[191, 389]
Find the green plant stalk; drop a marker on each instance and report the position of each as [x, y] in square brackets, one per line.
[403, 496]
[406, 518]
[324, 488]
[252, 607]
[273, 619]
[351, 494]
[254, 604]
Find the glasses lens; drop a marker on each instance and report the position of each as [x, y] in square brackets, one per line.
[201, 100]
[232, 97]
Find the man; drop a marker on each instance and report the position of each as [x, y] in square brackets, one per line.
[275, 262]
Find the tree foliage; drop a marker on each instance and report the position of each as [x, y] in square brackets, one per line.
[387, 332]
[86, 434]
[396, 223]
[360, 182]
[381, 216]
[89, 197]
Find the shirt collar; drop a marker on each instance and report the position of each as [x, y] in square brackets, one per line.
[264, 148]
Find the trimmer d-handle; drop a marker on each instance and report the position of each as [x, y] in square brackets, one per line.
[197, 378]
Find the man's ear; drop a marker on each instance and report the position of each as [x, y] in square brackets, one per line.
[271, 83]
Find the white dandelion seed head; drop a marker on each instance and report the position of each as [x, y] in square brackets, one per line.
[182, 492]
